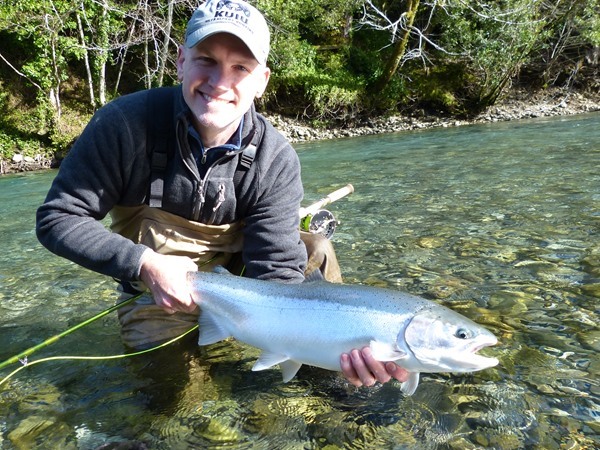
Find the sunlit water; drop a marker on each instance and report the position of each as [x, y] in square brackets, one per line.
[499, 222]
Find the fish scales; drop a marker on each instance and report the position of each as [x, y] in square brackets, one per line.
[314, 323]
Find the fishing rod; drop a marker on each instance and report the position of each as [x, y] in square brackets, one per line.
[22, 357]
[95, 358]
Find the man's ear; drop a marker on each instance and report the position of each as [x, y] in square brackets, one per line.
[180, 61]
[266, 74]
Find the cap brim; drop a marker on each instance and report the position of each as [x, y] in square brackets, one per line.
[247, 38]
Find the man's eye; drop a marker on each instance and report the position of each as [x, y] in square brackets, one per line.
[204, 60]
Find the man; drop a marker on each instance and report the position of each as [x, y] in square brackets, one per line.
[191, 176]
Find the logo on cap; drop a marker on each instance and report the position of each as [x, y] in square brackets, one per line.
[230, 9]
[230, 16]
[233, 6]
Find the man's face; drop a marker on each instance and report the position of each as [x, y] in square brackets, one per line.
[220, 79]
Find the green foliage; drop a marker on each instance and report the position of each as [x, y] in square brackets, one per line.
[364, 55]
[11, 144]
[309, 59]
[320, 96]
[587, 20]
[18, 130]
[324, 56]
[495, 42]
[442, 88]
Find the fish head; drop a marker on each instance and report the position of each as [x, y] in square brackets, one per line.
[442, 340]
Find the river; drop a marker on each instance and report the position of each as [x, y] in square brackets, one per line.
[498, 221]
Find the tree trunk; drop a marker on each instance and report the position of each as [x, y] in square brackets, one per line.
[399, 48]
[164, 56]
[147, 37]
[123, 56]
[86, 59]
[54, 90]
[103, 53]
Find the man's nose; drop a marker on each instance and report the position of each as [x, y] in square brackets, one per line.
[220, 78]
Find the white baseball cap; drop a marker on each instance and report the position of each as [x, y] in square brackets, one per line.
[234, 17]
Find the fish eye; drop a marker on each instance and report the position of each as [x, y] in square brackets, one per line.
[463, 333]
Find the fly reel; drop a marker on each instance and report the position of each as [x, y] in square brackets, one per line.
[322, 222]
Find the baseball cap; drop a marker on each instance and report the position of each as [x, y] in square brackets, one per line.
[230, 16]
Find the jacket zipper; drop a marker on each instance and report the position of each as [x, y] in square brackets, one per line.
[201, 189]
[200, 193]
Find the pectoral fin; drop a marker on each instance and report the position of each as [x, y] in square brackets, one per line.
[410, 386]
[383, 351]
[210, 330]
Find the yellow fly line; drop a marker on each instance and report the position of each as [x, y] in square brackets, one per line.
[25, 363]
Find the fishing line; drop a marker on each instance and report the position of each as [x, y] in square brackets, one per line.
[27, 364]
[24, 354]
[53, 339]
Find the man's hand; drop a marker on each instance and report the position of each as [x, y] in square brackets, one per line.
[165, 276]
[360, 368]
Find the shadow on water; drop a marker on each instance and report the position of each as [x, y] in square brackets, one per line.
[499, 222]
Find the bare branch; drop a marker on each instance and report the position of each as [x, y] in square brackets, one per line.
[18, 72]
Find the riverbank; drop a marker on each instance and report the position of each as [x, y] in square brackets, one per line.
[518, 104]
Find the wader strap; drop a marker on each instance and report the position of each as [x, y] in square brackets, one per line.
[249, 153]
[160, 136]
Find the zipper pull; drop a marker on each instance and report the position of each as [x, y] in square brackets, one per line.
[201, 193]
[203, 160]
[221, 198]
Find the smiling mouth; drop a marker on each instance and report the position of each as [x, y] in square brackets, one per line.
[211, 99]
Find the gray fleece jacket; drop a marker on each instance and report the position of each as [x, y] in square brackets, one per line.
[109, 165]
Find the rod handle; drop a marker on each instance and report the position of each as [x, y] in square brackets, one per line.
[334, 196]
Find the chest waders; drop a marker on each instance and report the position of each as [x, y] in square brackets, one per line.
[143, 323]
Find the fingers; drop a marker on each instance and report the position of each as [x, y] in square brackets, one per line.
[355, 369]
[166, 277]
[377, 368]
[397, 372]
[171, 305]
[361, 369]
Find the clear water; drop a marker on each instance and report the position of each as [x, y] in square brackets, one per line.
[500, 222]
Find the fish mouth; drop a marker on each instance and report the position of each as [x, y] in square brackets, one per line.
[473, 361]
[470, 360]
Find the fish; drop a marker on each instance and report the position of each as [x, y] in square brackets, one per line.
[313, 323]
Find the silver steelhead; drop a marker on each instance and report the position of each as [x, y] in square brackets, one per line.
[314, 323]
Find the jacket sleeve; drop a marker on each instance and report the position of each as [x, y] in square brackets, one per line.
[272, 245]
[89, 183]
